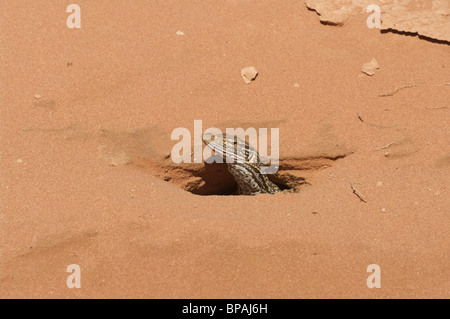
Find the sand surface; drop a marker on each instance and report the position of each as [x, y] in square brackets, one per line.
[86, 122]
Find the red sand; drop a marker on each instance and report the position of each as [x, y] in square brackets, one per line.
[118, 86]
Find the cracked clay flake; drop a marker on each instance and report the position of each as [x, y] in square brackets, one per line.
[427, 18]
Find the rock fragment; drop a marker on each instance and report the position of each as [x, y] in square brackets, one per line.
[370, 67]
[249, 74]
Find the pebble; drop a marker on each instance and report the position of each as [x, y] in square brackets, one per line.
[370, 67]
[249, 74]
[180, 33]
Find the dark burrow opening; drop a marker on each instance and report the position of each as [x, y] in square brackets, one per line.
[217, 180]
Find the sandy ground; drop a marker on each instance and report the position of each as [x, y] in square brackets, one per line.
[86, 119]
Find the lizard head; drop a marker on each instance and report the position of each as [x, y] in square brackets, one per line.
[231, 148]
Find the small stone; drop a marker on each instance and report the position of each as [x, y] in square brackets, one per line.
[370, 67]
[180, 33]
[380, 183]
[296, 85]
[37, 96]
[437, 193]
[19, 161]
[387, 154]
[249, 74]
[383, 210]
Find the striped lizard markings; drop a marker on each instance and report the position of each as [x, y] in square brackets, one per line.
[246, 164]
